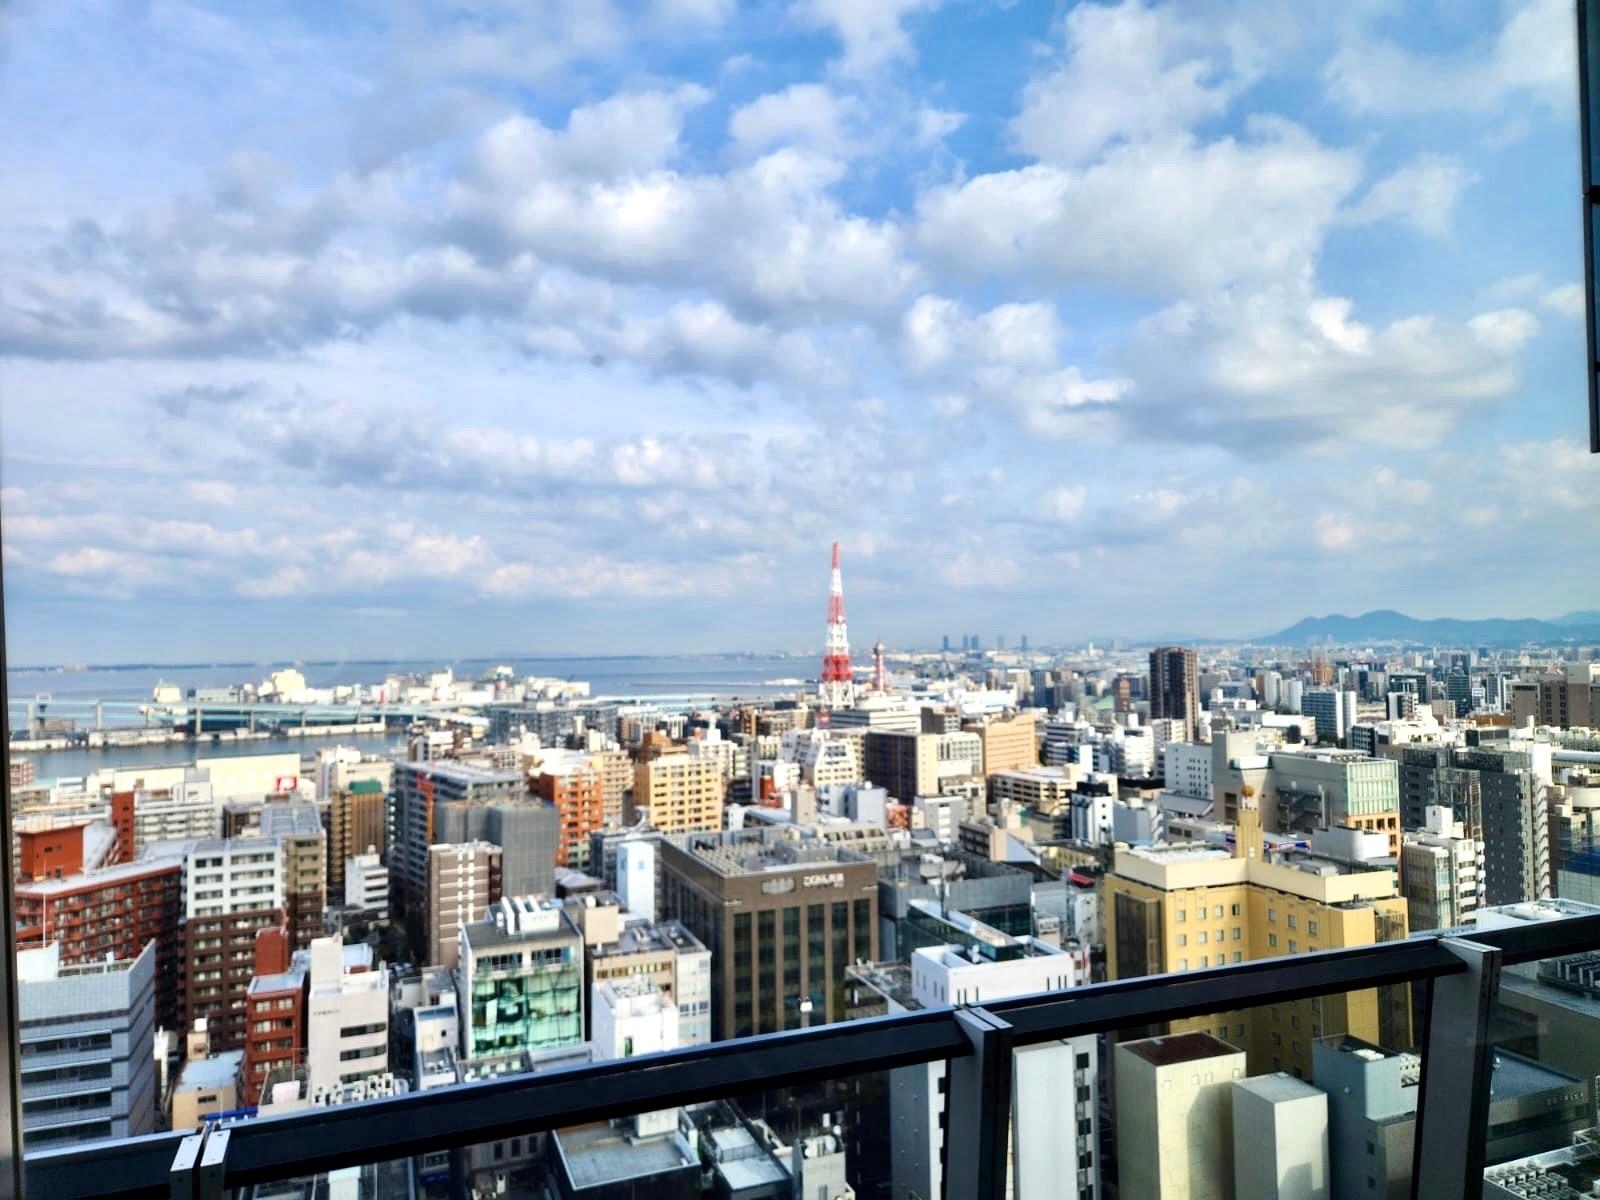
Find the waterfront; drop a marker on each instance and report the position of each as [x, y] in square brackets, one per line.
[50, 765]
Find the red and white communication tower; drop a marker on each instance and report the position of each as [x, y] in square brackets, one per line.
[838, 688]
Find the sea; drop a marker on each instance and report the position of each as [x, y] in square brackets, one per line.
[721, 677]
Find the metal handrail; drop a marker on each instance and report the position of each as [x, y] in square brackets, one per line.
[306, 1142]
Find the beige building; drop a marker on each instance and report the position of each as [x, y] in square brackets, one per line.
[1182, 908]
[616, 781]
[1009, 743]
[678, 794]
[357, 818]
[1567, 701]
[1174, 1117]
[297, 826]
[463, 881]
[1043, 789]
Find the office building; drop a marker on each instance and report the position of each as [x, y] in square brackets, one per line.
[1439, 873]
[521, 979]
[1175, 687]
[85, 1039]
[630, 1017]
[1186, 769]
[297, 827]
[358, 817]
[1174, 1117]
[1334, 710]
[444, 801]
[1008, 743]
[347, 1016]
[1301, 791]
[1575, 835]
[1567, 701]
[678, 794]
[464, 879]
[426, 1024]
[905, 764]
[782, 915]
[1280, 1139]
[1177, 908]
[1372, 1101]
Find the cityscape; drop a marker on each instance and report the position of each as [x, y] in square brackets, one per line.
[527, 876]
[800, 600]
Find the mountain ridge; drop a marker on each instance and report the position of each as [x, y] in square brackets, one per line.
[1388, 625]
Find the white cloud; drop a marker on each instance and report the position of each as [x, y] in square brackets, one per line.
[872, 32]
[1282, 365]
[1422, 194]
[1130, 73]
[810, 115]
[1151, 219]
[1532, 54]
[1334, 533]
[1565, 300]
[1066, 503]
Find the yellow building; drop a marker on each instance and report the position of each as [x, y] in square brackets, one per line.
[1009, 743]
[679, 794]
[1184, 908]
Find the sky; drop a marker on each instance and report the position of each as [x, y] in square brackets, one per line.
[472, 327]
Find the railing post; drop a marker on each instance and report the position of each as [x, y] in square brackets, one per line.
[1457, 1067]
[185, 1164]
[209, 1173]
[977, 1126]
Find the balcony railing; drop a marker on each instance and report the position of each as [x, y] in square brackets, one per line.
[976, 1043]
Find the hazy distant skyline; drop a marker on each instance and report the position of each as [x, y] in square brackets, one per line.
[584, 326]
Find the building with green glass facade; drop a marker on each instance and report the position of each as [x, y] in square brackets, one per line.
[521, 979]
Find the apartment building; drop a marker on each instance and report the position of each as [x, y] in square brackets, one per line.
[464, 879]
[678, 794]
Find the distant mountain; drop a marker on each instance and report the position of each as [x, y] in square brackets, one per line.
[1586, 616]
[1386, 625]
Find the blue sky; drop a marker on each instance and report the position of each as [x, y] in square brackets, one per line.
[586, 325]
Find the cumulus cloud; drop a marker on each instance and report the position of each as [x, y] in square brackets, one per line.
[1422, 194]
[872, 32]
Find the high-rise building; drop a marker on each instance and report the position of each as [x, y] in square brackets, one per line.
[464, 879]
[1334, 710]
[1177, 908]
[1567, 701]
[357, 818]
[783, 917]
[1175, 686]
[185, 808]
[111, 913]
[444, 801]
[84, 1037]
[577, 792]
[233, 889]
[297, 826]
[905, 764]
[520, 979]
[1009, 743]
[679, 794]
[366, 884]
[1280, 1139]
[1174, 1117]
[1440, 873]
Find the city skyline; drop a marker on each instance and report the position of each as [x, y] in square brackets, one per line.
[601, 321]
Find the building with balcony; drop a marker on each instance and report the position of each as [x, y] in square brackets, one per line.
[577, 792]
[464, 879]
[1440, 873]
[366, 883]
[275, 1037]
[678, 794]
[84, 1043]
[521, 979]
[358, 818]
[297, 827]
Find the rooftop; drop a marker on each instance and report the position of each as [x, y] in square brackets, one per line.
[599, 1155]
[754, 851]
[461, 772]
[290, 818]
[1179, 1048]
[1515, 1076]
[1278, 1087]
[100, 877]
[218, 1071]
